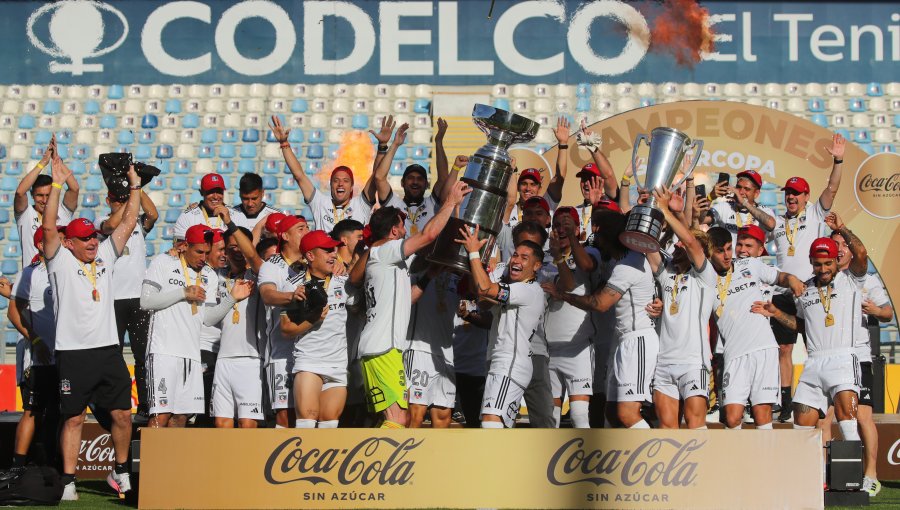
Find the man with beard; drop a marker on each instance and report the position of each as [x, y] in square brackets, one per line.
[739, 207]
[252, 209]
[597, 180]
[342, 204]
[212, 189]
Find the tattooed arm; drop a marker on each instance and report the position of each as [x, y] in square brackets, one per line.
[599, 301]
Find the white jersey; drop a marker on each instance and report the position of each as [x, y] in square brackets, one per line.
[633, 278]
[29, 221]
[431, 322]
[873, 290]
[241, 219]
[325, 346]
[566, 328]
[175, 331]
[388, 299]
[278, 272]
[741, 331]
[684, 335]
[326, 215]
[210, 336]
[131, 265]
[844, 299]
[726, 215]
[196, 215]
[416, 215]
[33, 286]
[516, 318]
[515, 217]
[82, 322]
[585, 210]
[240, 339]
[547, 273]
[805, 228]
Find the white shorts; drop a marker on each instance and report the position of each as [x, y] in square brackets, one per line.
[237, 389]
[681, 382]
[279, 385]
[430, 380]
[632, 364]
[753, 377]
[501, 398]
[573, 375]
[174, 385]
[824, 377]
[332, 377]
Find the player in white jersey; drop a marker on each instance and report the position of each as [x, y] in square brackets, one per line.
[629, 289]
[252, 208]
[278, 291]
[181, 292]
[515, 318]
[688, 281]
[793, 234]
[568, 330]
[342, 203]
[211, 335]
[29, 217]
[736, 206]
[597, 180]
[88, 358]
[750, 352]
[319, 331]
[389, 298]
[529, 181]
[212, 189]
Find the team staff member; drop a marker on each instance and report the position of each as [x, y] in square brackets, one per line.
[739, 208]
[90, 363]
[212, 189]
[529, 182]
[389, 299]
[127, 281]
[252, 208]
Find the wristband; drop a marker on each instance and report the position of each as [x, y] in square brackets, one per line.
[838, 161]
[559, 260]
[563, 146]
[474, 255]
[231, 226]
[40, 166]
[710, 196]
[382, 147]
[135, 188]
[626, 180]
[284, 145]
[56, 185]
[456, 168]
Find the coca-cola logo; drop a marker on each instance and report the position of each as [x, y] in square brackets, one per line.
[374, 460]
[97, 450]
[893, 455]
[878, 185]
[663, 461]
[890, 183]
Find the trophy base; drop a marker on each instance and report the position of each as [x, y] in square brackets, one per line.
[447, 252]
[643, 229]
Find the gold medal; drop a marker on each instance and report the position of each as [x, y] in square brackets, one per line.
[235, 317]
[95, 295]
[829, 320]
[720, 310]
[790, 251]
[722, 285]
[673, 308]
[187, 282]
[825, 299]
[414, 229]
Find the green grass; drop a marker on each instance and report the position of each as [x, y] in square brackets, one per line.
[96, 494]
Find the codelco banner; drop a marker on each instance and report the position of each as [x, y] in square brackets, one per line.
[373, 468]
[779, 146]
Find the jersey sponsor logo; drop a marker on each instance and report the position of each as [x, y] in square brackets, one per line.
[662, 461]
[65, 387]
[740, 288]
[810, 300]
[374, 460]
[176, 282]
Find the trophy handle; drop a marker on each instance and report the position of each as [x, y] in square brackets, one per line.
[634, 151]
[698, 148]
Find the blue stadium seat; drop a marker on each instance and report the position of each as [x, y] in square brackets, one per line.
[299, 106]
[422, 106]
[868, 148]
[269, 182]
[26, 122]
[196, 197]
[206, 151]
[897, 120]
[583, 104]
[2, 151]
[11, 251]
[93, 183]
[401, 153]
[95, 168]
[270, 136]
[820, 119]
[10, 268]
[888, 147]
[171, 216]
[179, 183]
[37, 152]
[857, 105]
[315, 151]
[190, 121]
[246, 166]
[226, 151]
[166, 245]
[42, 137]
[89, 214]
[151, 236]
[149, 121]
[173, 106]
[272, 166]
[421, 153]
[250, 135]
[501, 103]
[150, 250]
[8, 183]
[332, 150]
[360, 121]
[81, 151]
[91, 107]
[13, 168]
[158, 183]
[209, 135]
[77, 167]
[816, 105]
[843, 132]
[14, 235]
[3, 233]
[248, 151]
[90, 200]
[108, 122]
[64, 137]
[862, 136]
[295, 136]
[176, 200]
[312, 167]
[645, 101]
[875, 90]
[4, 215]
[195, 184]
[583, 90]
[229, 136]
[115, 92]
[142, 153]
[289, 183]
[164, 151]
[397, 168]
[316, 136]
[224, 167]
[163, 166]
[768, 199]
[51, 107]
[62, 150]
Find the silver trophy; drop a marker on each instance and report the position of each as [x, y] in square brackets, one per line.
[667, 149]
[488, 174]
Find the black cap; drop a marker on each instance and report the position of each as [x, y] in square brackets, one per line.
[416, 168]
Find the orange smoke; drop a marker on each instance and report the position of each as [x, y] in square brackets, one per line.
[682, 30]
[355, 152]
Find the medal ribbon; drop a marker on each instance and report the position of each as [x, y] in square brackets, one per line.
[723, 291]
[825, 299]
[791, 231]
[92, 276]
[206, 219]
[187, 281]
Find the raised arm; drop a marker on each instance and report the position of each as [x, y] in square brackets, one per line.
[358, 271]
[600, 301]
[440, 159]
[383, 136]
[625, 192]
[555, 188]
[838, 145]
[566, 280]
[20, 201]
[109, 224]
[765, 221]
[691, 245]
[123, 231]
[281, 134]
[459, 164]
[606, 170]
[70, 197]
[379, 177]
[244, 243]
[434, 226]
[484, 287]
[52, 241]
[859, 265]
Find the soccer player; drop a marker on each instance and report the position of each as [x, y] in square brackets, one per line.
[211, 336]
[127, 280]
[252, 208]
[88, 358]
[389, 300]
[529, 182]
[181, 292]
[212, 189]
[750, 352]
[680, 383]
[349, 233]
[739, 207]
[342, 204]
[515, 319]
[320, 337]
[30, 217]
[793, 235]
[278, 290]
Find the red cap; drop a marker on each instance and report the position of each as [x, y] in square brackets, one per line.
[537, 202]
[217, 235]
[199, 234]
[752, 175]
[797, 184]
[606, 204]
[756, 233]
[367, 235]
[212, 181]
[289, 221]
[342, 168]
[823, 248]
[273, 220]
[589, 170]
[317, 239]
[571, 211]
[531, 173]
[81, 227]
[38, 236]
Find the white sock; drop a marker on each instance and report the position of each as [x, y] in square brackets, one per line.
[734, 428]
[803, 427]
[330, 424]
[491, 425]
[767, 426]
[277, 426]
[849, 429]
[701, 428]
[578, 411]
[640, 425]
[557, 411]
[304, 424]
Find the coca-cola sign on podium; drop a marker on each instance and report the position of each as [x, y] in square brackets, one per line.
[96, 455]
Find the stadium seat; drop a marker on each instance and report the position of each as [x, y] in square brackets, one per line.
[10, 268]
[226, 151]
[270, 182]
[91, 107]
[272, 166]
[360, 121]
[179, 183]
[158, 183]
[90, 200]
[224, 167]
[149, 121]
[820, 120]
[26, 122]
[43, 137]
[315, 151]
[171, 216]
[501, 103]
[312, 167]
[422, 106]
[206, 151]
[229, 136]
[4, 216]
[250, 135]
[164, 151]
[142, 153]
[77, 167]
[8, 183]
[248, 151]
[246, 166]
[874, 90]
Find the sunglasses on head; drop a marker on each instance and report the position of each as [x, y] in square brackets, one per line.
[792, 192]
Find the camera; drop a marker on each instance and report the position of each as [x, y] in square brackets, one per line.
[114, 167]
[310, 309]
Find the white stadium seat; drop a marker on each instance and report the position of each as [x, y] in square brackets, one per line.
[35, 91]
[255, 120]
[712, 90]
[883, 135]
[134, 106]
[627, 103]
[340, 121]
[422, 121]
[754, 101]
[256, 105]
[421, 137]
[860, 120]
[335, 135]
[238, 90]
[541, 90]
[68, 121]
[233, 120]
[545, 136]
[176, 91]
[15, 92]
[625, 89]
[670, 89]
[362, 91]
[382, 90]
[521, 91]
[96, 91]
[84, 136]
[793, 89]
[272, 151]
[423, 91]
[153, 106]
[878, 104]
[381, 106]
[129, 122]
[204, 166]
[341, 90]
[319, 120]
[796, 105]
[814, 89]
[340, 105]
[773, 90]
[234, 105]
[105, 136]
[211, 120]
[261, 90]
[732, 90]
[500, 90]
[691, 90]
[837, 104]
[75, 92]
[54, 91]
[288, 198]
[156, 92]
[278, 105]
[10, 106]
[855, 89]
[216, 90]
[197, 91]
[834, 89]
[321, 90]
[403, 90]
[136, 91]
[18, 152]
[169, 136]
[185, 151]
[543, 105]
